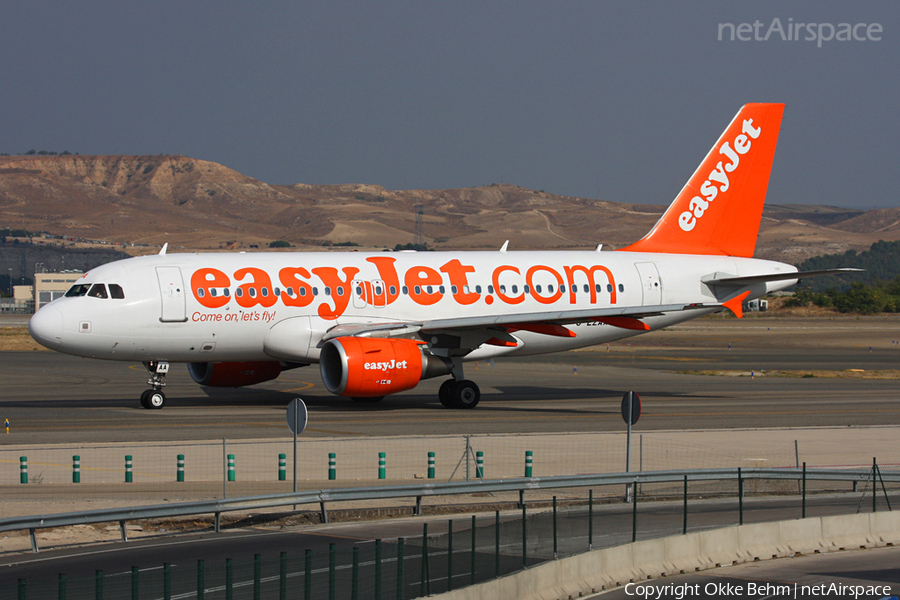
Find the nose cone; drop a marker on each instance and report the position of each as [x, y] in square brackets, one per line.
[46, 327]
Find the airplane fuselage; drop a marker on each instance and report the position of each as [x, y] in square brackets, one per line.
[270, 306]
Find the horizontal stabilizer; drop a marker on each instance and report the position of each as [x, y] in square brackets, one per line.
[739, 281]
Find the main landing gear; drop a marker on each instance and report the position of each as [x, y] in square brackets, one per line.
[154, 397]
[459, 394]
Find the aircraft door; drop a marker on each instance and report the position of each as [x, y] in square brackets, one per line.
[171, 291]
[651, 286]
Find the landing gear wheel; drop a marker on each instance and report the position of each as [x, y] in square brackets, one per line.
[153, 399]
[368, 399]
[466, 394]
[445, 394]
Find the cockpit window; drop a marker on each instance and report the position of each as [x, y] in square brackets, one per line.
[116, 292]
[79, 289]
[98, 290]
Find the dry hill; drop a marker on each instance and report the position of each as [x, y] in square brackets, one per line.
[198, 204]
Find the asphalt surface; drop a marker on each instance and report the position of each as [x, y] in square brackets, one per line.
[50, 397]
[53, 398]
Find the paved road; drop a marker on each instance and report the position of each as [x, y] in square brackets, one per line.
[53, 397]
[804, 577]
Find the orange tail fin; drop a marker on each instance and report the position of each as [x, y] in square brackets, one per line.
[719, 209]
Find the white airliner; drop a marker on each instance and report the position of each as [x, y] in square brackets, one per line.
[379, 323]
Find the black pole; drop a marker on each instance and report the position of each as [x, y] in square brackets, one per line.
[307, 577]
[377, 569]
[740, 497]
[61, 591]
[257, 576]
[472, 554]
[634, 517]
[425, 584]
[399, 568]
[354, 585]
[497, 544]
[590, 519]
[684, 524]
[874, 486]
[201, 579]
[229, 579]
[804, 491]
[167, 581]
[135, 583]
[524, 539]
[450, 555]
[555, 556]
[98, 585]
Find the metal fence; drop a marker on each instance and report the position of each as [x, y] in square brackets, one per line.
[470, 549]
[135, 473]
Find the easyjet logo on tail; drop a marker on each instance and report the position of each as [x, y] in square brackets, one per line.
[717, 181]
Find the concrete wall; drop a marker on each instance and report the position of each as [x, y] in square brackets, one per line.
[612, 567]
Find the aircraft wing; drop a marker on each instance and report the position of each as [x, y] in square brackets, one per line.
[621, 316]
[553, 323]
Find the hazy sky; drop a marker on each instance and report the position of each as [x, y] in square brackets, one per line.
[600, 99]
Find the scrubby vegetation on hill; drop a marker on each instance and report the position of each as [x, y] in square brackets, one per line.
[873, 291]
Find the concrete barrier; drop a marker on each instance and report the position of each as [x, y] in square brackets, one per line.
[608, 568]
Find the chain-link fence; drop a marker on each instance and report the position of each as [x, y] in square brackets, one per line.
[130, 474]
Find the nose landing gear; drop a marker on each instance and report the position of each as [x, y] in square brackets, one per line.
[154, 397]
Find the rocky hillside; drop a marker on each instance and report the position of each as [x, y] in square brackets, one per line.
[198, 204]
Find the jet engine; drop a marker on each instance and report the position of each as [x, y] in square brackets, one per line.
[233, 374]
[362, 367]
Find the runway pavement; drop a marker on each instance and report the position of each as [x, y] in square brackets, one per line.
[50, 397]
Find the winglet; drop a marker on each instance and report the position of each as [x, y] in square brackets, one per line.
[736, 305]
[163, 251]
[505, 246]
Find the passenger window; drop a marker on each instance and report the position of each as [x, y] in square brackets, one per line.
[116, 292]
[78, 290]
[97, 291]
[621, 287]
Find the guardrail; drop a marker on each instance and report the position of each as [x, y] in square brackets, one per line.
[419, 491]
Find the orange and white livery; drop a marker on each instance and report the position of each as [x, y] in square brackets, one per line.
[379, 323]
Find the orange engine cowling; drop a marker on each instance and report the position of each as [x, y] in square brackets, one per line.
[366, 367]
[234, 374]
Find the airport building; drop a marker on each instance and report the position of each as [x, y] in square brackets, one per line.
[50, 286]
